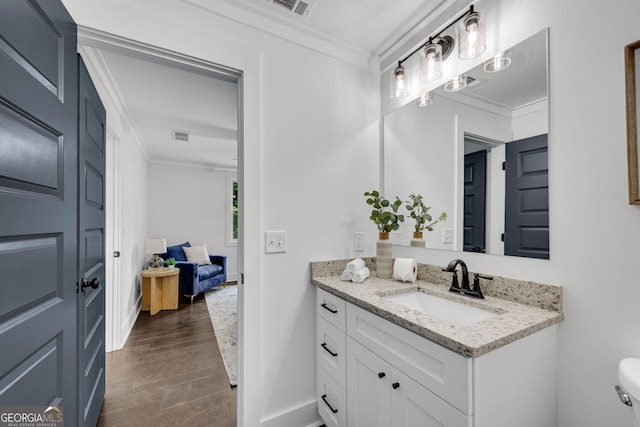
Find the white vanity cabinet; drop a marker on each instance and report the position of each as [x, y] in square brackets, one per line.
[385, 375]
[331, 359]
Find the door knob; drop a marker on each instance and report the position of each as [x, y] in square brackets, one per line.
[94, 283]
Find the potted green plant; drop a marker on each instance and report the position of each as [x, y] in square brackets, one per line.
[170, 262]
[423, 220]
[384, 214]
[386, 217]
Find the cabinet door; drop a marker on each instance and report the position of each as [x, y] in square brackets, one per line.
[415, 406]
[368, 388]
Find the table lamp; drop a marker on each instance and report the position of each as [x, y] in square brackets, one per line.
[155, 247]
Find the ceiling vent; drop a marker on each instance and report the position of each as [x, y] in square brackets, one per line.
[296, 8]
[180, 135]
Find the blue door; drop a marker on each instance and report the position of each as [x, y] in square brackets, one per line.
[38, 206]
[527, 198]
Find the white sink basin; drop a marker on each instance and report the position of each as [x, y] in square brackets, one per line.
[444, 309]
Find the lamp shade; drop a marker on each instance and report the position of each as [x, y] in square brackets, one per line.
[431, 62]
[498, 62]
[399, 83]
[156, 246]
[425, 99]
[472, 39]
[457, 83]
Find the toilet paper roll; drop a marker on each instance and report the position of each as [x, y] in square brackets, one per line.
[405, 269]
[360, 275]
[355, 265]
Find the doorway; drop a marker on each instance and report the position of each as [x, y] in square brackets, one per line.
[117, 315]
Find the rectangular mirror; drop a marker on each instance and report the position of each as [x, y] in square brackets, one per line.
[452, 152]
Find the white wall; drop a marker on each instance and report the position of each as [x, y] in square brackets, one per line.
[594, 232]
[190, 204]
[311, 149]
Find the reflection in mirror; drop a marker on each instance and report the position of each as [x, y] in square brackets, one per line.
[453, 150]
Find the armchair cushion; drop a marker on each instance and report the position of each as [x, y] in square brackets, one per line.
[177, 252]
[206, 271]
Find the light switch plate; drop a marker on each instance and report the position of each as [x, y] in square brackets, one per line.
[447, 235]
[275, 242]
[358, 241]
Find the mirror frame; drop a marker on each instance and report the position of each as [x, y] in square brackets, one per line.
[632, 73]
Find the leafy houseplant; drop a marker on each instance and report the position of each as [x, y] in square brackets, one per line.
[170, 262]
[420, 213]
[384, 214]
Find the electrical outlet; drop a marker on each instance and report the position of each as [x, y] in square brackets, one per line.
[275, 242]
[358, 242]
[447, 235]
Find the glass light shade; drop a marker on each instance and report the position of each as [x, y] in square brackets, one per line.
[431, 62]
[472, 37]
[399, 83]
[498, 62]
[156, 246]
[425, 99]
[455, 84]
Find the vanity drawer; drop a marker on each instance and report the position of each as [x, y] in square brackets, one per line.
[332, 401]
[331, 308]
[331, 350]
[443, 372]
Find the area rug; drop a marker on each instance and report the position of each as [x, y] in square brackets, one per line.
[222, 303]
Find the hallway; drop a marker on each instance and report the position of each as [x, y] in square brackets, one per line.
[169, 373]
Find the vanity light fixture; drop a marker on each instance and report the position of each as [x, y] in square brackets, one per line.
[399, 83]
[471, 43]
[425, 99]
[498, 62]
[457, 83]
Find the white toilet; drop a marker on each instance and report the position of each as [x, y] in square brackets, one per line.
[629, 377]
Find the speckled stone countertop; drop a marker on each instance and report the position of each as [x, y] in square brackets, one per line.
[521, 308]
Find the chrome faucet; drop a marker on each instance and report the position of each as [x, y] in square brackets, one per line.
[476, 292]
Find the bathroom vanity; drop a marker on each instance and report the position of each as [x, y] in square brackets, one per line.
[382, 361]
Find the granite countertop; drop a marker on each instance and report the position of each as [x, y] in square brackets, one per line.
[513, 320]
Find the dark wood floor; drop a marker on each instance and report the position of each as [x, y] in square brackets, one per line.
[169, 373]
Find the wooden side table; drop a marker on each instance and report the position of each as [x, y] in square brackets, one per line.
[160, 289]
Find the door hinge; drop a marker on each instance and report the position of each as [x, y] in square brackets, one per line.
[504, 166]
[77, 288]
[242, 278]
[116, 254]
[502, 237]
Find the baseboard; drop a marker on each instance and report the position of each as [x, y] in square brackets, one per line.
[305, 415]
[130, 320]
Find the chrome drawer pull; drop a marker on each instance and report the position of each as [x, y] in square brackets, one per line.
[324, 305]
[324, 345]
[324, 397]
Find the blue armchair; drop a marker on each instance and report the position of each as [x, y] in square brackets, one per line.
[195, 278]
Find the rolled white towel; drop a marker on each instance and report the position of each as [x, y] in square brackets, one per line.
[360, 275]
[346, 276]
[355, 265]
